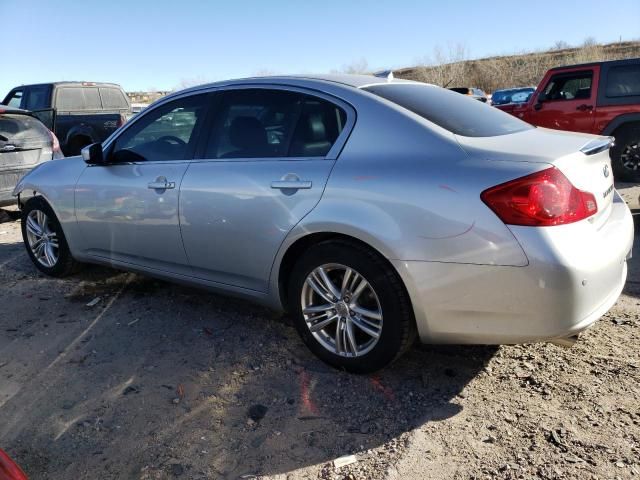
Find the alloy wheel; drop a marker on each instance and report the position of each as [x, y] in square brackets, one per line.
[43, 241]
[630, 157]
[341, 310]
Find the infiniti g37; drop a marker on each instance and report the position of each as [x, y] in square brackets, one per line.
[372, 210]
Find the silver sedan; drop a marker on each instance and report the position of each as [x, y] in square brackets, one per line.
[372, 210]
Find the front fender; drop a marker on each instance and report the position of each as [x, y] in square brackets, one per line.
[55, 181]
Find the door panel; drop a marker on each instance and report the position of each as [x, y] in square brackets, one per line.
[571, 102]
[122, 218]
[233, 222]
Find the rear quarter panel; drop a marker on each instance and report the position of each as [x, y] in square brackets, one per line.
[412, 193]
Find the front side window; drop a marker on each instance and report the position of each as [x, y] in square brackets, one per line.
[261, 123]
[456, 113]
[574, 86]
[168, 132]
[15, 99]
[623, 81]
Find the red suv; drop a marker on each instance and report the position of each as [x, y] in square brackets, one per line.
[601, 98]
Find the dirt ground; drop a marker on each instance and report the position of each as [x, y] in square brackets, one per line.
[157, 381]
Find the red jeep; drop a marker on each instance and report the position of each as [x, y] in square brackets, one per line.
[601, 98]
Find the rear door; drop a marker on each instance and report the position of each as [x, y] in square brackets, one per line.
[570, 101]
[265, 166]
[127, 210]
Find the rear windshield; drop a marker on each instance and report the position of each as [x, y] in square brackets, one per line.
[14, 127]
[78, 98]
[113, 98]
[456, 113]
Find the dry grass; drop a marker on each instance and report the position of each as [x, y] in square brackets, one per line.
[450, 70]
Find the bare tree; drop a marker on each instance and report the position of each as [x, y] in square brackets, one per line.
[356, 66]
[190, 82]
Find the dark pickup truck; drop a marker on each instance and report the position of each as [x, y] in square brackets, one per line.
[79, 113]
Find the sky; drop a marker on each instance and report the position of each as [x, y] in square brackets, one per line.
[162, 44]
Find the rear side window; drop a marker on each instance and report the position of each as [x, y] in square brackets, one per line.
[573, 86]
[113, 98]
[260, 123]
[623, 81]
[37, 98]
[456, 113]
[78, 98]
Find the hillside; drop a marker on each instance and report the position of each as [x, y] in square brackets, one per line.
[527, 69]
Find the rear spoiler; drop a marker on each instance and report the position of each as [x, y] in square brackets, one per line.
[598, 145]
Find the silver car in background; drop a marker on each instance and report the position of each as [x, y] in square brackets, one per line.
[370, 209]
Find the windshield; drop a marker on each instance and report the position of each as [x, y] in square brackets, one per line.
[456, 113]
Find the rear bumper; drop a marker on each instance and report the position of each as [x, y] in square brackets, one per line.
[575, 274]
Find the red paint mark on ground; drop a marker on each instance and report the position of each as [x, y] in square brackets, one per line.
[305, 393]
[386, 391]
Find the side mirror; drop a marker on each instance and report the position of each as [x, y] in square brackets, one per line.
[92, 154]
[540, 100]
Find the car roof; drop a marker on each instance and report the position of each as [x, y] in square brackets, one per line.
[71, 83]
[309, 80]
[628, 61]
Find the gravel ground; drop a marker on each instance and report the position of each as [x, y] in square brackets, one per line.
[157, 381]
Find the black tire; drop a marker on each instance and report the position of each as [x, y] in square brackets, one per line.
[627, 150]
[65, 263]
[398, 325]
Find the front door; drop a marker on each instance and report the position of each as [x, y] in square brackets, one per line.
[127, 209]
[569, 103]
[265, 167]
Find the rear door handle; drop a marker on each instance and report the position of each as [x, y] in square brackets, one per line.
[584, 107]
[291, 184]
[161, 183]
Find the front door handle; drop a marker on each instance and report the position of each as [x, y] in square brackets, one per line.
[584, 107]
[291, 184]
[161, 183]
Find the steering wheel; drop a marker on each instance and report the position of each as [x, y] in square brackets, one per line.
[172, 140]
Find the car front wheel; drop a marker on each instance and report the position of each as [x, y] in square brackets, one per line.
[350, 306]
[44, 239]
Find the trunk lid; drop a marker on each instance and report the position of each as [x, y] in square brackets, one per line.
[582, 158]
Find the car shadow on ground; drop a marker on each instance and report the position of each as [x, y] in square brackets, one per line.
[158, 380]
[9, 215]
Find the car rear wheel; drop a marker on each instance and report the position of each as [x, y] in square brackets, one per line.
[350, 307]
[625, 155]
[44, 239]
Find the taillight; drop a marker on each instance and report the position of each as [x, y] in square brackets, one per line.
[541, 199]
[121, 120]
[55, 145]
